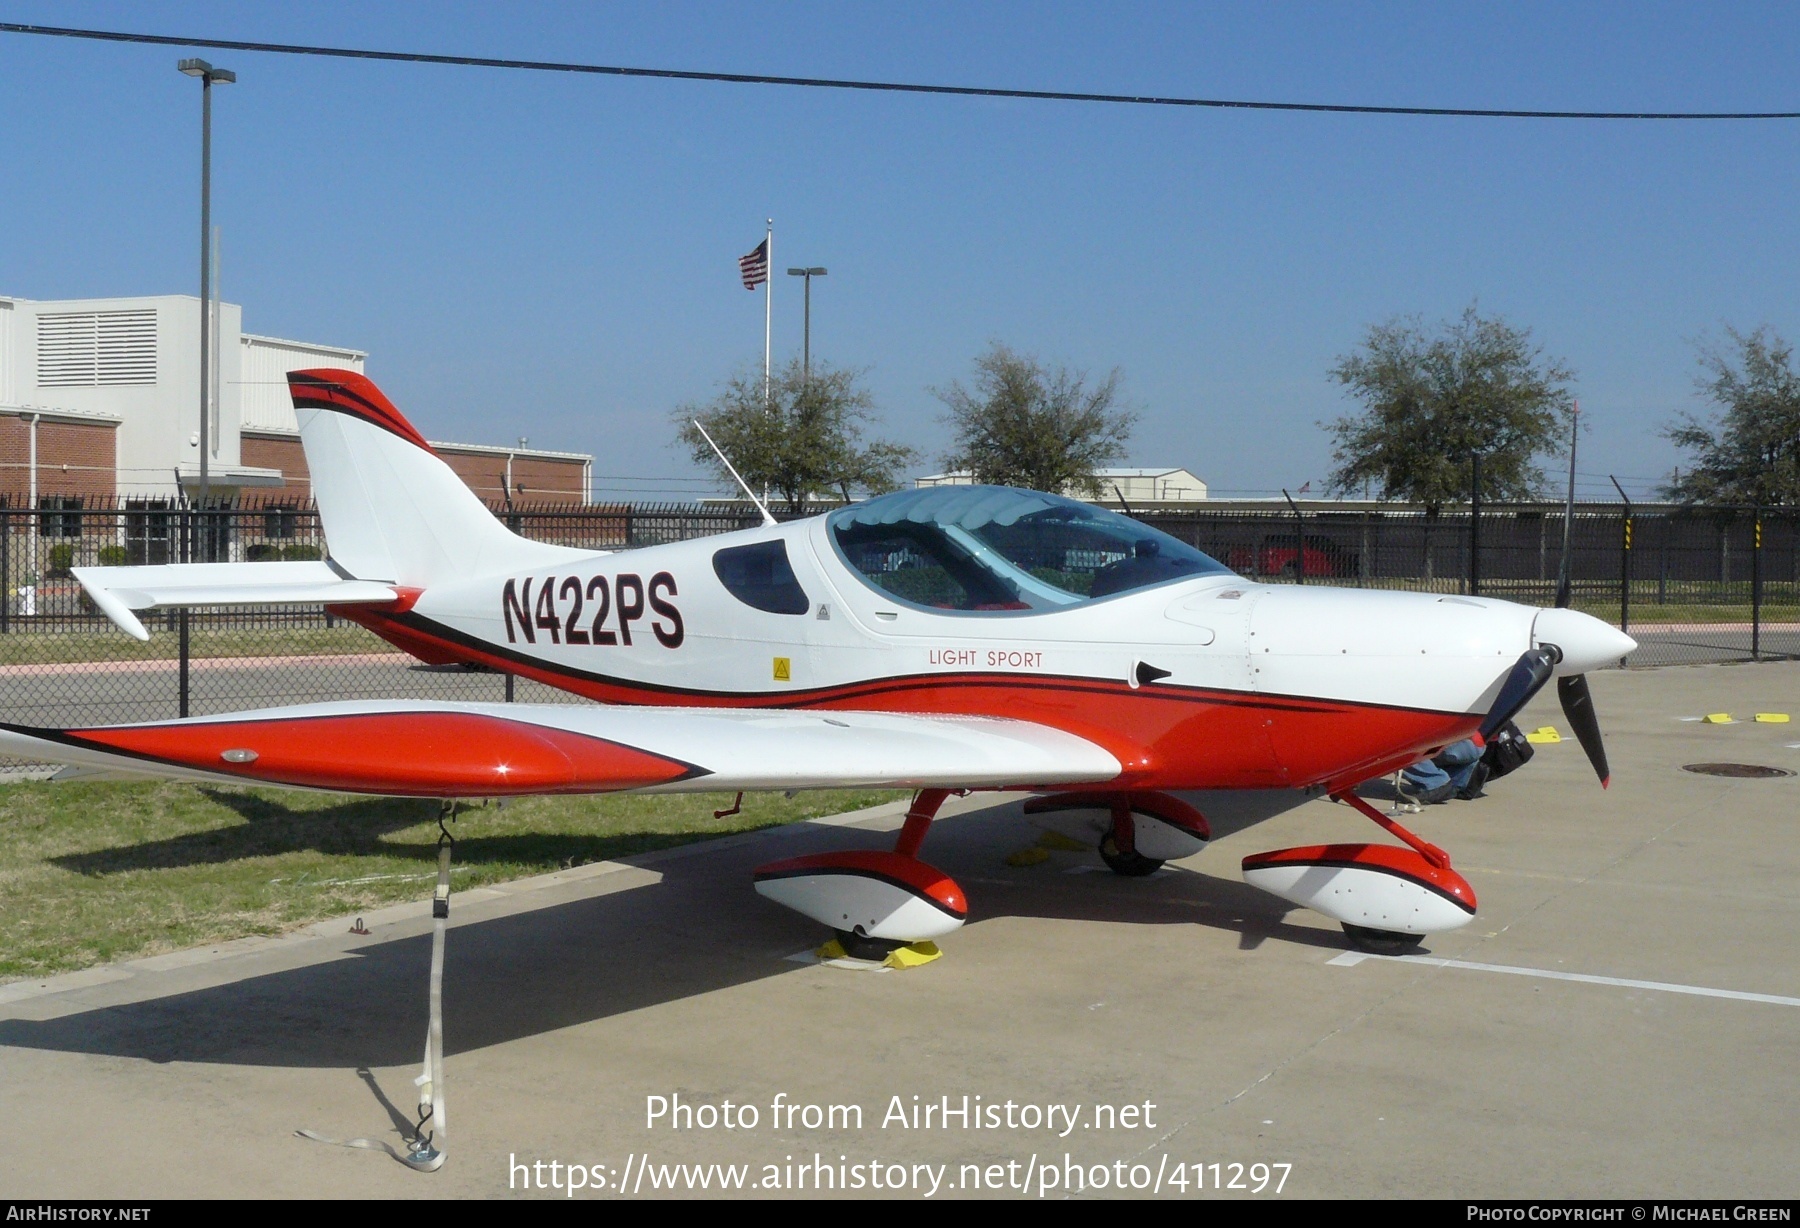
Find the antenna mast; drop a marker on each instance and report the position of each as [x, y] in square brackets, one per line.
[767, 519]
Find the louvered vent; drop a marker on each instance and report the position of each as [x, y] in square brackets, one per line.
[93, 349]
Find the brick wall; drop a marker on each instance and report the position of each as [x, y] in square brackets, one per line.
[535, 479]
[281, 452]
[544, 479]
[74, 458]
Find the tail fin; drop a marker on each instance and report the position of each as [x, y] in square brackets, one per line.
[392, 509]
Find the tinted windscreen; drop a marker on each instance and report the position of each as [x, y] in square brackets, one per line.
[992, 548]
[760, 576]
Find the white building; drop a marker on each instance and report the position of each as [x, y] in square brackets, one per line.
[1140, 486]
[100, 399]
[136, 361]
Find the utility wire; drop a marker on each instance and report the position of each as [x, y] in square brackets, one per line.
[834, 83]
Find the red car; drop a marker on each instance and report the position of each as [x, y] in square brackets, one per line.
[1280, 555]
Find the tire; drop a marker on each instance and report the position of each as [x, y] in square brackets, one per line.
[1131, 865]
[861, 946]
[1381, 942]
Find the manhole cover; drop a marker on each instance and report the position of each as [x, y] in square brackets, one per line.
[1752, 771]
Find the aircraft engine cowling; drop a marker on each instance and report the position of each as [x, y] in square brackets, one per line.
[1374, 886]
[875, 894]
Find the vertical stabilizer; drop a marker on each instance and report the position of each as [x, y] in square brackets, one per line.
[392, 509]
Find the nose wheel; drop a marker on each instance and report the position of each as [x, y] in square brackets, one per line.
[1381, 942]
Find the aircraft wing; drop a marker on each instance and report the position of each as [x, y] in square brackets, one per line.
[120, 590]
[422, 749]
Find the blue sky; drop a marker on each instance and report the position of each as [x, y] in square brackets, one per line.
[552, 256]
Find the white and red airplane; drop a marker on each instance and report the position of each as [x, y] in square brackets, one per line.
[941, 639]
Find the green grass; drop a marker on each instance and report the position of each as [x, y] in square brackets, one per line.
[92, 873]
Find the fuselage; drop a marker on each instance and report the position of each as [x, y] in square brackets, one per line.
[1206, 681]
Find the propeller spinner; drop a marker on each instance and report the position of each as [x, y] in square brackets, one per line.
[1568, 643]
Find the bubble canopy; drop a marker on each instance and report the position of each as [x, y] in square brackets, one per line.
[996, 549]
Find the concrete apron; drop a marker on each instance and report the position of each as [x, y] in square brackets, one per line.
[575, 999]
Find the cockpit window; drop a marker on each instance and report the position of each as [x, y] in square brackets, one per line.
[994, 548]
[760, 576]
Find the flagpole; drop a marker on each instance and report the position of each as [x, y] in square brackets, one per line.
[768, 304]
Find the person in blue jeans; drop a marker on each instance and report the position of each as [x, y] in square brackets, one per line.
[1457, 771]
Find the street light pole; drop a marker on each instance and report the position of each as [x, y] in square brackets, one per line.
[209, 76]
[806, 344]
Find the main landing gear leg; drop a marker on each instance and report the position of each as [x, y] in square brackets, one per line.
[918, 821]
[1118, 847]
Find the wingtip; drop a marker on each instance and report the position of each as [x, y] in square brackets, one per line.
[114, 609]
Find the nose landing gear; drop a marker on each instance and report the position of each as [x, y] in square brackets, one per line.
[1386, 898]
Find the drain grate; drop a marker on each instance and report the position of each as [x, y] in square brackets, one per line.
[1748, 771]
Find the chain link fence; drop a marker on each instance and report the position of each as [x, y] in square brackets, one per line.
[1691, 585]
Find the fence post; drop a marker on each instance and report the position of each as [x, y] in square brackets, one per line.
[1624, 558]
[1475, 524]
[1362, 557]
[5, 572]
[1756, 584]
[1625, 575]
[183, 670]
[1662, 557]
[1299, 540]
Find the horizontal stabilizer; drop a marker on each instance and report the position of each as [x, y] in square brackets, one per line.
[120, 590]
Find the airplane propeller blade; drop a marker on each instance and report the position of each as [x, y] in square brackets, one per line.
[1578, 706]
[1528, 676]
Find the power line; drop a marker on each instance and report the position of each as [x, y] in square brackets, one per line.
[835, 83]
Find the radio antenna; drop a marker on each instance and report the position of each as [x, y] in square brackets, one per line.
[767, 519]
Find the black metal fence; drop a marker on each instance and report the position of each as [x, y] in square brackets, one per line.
[1691, 585]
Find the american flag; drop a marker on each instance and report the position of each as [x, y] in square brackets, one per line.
[755, 266]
